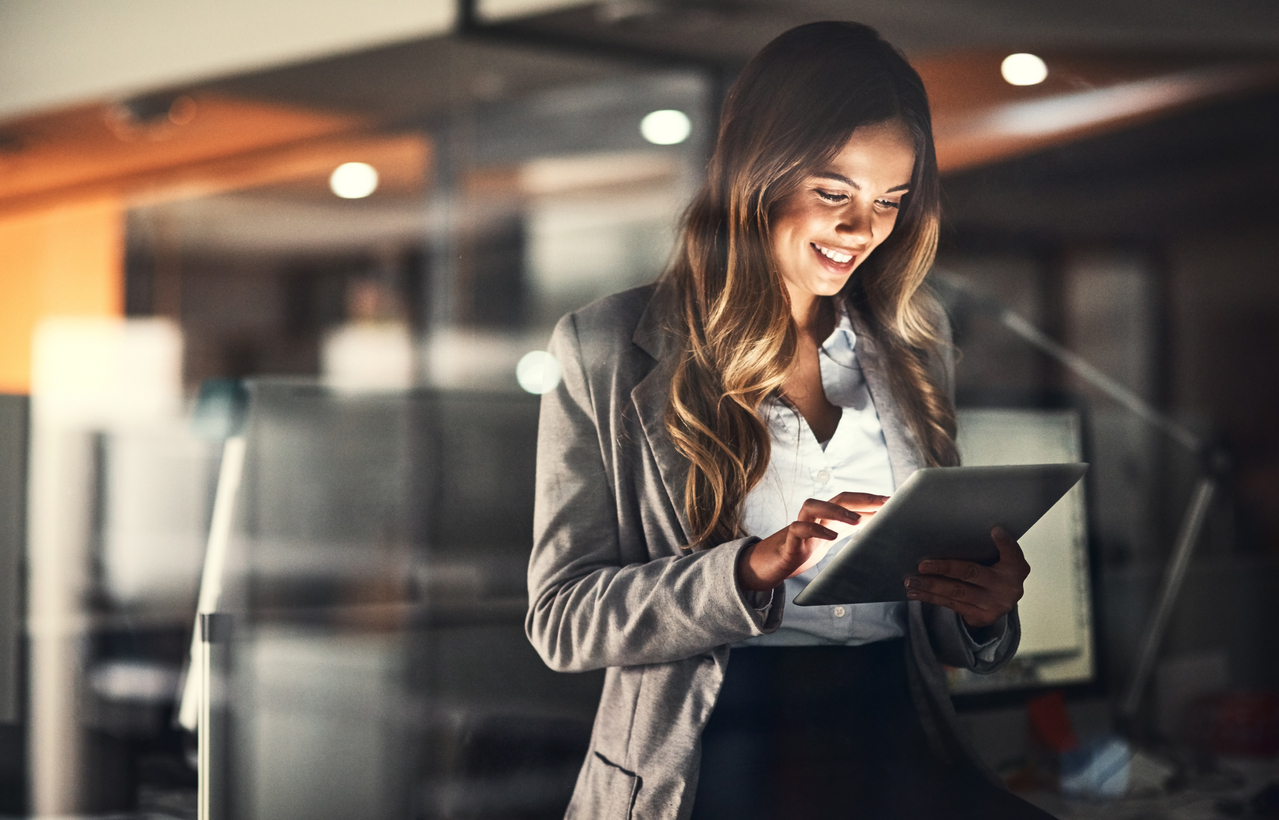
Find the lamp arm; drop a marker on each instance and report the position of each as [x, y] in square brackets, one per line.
[1080, 367]
[967, 297]
[1174, 574]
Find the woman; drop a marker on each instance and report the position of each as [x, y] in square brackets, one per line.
[789, 352]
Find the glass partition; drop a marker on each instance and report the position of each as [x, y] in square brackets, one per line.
[378, 663]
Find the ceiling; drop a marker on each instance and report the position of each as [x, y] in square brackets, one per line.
[422, 79]
[1221, 62]
[732, 30]
[1116, 39]
[1211, 168]
[1113, 65]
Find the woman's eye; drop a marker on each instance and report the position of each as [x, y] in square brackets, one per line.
[830, 197]
[889, 203]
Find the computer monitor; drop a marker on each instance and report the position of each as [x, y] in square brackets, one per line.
[1057, 642]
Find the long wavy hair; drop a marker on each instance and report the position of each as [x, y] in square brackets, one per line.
[792, 109]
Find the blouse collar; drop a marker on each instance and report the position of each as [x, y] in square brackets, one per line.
[840, 346]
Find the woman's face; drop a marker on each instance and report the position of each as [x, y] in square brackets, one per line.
[838, 215]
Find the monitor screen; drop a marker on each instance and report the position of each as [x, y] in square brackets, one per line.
[1057, 647]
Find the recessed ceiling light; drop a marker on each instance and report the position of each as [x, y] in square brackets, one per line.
[353, 180]
[666, 127]
[1023, 69]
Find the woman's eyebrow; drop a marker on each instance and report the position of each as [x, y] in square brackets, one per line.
[838, 178]
[841, 178]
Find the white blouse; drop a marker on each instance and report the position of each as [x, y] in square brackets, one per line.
[855, 459]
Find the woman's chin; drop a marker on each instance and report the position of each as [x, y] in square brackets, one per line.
[830, 285]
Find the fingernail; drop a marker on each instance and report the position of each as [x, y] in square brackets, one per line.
[912, 594]
[927, 567]
[912, 583]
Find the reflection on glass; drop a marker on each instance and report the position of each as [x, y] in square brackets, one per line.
[389, 297]
[377, 582]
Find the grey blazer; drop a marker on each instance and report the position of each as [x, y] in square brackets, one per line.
[612, 582]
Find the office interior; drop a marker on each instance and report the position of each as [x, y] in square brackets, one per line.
[277, 285]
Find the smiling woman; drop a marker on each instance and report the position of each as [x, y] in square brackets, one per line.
[809, 155]
[710, 437]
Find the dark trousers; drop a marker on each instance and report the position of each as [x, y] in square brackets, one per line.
[831, 732]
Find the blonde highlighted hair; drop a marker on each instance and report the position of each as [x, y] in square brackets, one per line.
[793, 108]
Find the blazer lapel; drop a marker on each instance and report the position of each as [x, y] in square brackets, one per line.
[650, 397]
[903, 455]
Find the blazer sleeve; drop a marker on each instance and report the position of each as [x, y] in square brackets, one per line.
[588, 607]
[955, 645]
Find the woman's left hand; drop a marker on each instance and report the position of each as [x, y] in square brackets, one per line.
[981, 595]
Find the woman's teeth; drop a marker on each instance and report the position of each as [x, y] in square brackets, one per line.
[834, 256]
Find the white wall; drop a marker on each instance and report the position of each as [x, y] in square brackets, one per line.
[55, 53]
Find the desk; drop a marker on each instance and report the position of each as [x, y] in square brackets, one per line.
[1189, 804]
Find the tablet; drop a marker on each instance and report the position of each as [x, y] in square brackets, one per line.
[939, 512]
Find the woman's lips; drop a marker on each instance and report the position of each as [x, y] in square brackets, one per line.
[831, 264]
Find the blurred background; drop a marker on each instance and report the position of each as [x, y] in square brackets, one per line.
[275, 283]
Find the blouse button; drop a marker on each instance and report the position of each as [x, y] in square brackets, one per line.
[840, 612]
[823, 476]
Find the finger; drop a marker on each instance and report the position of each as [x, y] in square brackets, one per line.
[1001, 594]
[1009, 549]
[860, 502]
[972, 614]
[819, 551]
[801, 530]
[814, 510]
[967, 571]
[807, 544]
[958, 590]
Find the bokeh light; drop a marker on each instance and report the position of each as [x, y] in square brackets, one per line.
[666, 127]
[538, 372]
[1023, 69]
[353, 180]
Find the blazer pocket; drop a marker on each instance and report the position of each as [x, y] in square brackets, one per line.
[610, 789]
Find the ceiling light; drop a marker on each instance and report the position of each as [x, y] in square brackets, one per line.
[666, 127]
[353, 180]
[1023, 69]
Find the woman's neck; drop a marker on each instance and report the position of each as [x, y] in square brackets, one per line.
[814, 316]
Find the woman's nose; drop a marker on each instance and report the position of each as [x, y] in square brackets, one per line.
[855, 223]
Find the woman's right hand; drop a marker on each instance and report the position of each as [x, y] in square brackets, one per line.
[805, 541]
